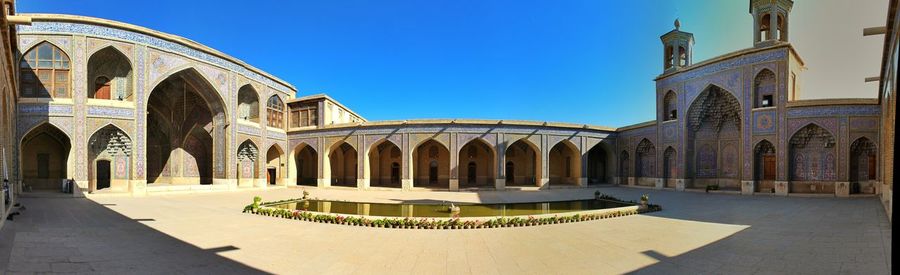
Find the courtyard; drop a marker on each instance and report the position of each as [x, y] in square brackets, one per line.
[207, 233]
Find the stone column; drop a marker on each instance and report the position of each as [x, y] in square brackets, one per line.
[454, 162]
[139, 157]
[362, 163]
[544, 181]
[500, 183]
[406, 160]
[324, 173]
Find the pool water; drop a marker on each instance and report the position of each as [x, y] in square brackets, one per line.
[440, 210]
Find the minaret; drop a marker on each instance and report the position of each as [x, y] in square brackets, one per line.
[770, 21]
[677, 46]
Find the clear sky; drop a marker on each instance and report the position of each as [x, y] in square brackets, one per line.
[569, 61]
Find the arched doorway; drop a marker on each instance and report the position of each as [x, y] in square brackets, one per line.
[431, 165]
[565, 164]
[186, 141]
[45, 158]
[306, 161]
[598, 171]
[248, 169]
[109, 159]
[343, 160]
[670, 167]
[274, 165]
[863, 166]
[384, 160]
[523, 164]
[476, 162]
[645, 164]
[764, 166]
[712, 140]
[812, 160]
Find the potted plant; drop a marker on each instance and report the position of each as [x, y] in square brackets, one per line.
[644, 199]
[597, 194]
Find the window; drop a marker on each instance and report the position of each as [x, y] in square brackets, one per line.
[767, 101]
[275, 109]
[764, 27]
[304, 116]
[682, 57]
[44, 72]
[779, 28]
[670, 103]
[673, 114]
[670, 57]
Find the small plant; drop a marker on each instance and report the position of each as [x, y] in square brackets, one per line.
[645, 198]
[305, 194]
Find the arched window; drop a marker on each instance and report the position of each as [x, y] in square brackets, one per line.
[101, 88]
[764, 28]
[248, 104]
[670, 57]
[275, 109]
[682, 57]
[764, 89]
[44, 72]
[670, 106]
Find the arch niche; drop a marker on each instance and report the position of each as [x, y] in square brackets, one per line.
[476, 165]
[599, 168]
[713, 139]
[863, 166]
[812, 160]
[248, 165]
[306, 163]
[523, 164]
[384, 164]
[565, 164]
[275, 163]
[110, 75]
[764, 166]
[645, 163]
[109, 160]
[342, 164]
[186, 122]
[45, 158]
[431, 165]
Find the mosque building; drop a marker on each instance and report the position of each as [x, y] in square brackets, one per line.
[121, 108]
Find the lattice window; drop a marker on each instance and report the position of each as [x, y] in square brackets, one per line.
[44, 72]
[275, 109]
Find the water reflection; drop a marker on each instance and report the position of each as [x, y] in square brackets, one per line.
[441, 210]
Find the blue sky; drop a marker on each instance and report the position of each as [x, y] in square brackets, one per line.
[570, 61]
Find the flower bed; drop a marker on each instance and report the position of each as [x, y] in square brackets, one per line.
[259, 208]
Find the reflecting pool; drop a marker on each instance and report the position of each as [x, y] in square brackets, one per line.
[441, 210]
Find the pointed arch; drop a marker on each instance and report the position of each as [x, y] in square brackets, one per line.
[477, 164]
[523, 163]
[764, 88]
[670, 106]
[863, 166]
[431, 164]
[109, 159]
[275, 164]
[645, 160]
[248, 104]
[45, 72]
[306, 164]
[600, 160]
[382, 163]
[248, 168]
[670, 167]
[712, 140]
[812, 160]
[624, 163]
[186, 121]
[275, 112]
[45, 156]
[564, 160]
[110, 75]
[342, 164]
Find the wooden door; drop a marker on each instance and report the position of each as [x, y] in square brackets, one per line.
[102, 88]
[769, 167]
[510, 172]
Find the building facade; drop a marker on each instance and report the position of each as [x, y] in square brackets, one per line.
[124, 109]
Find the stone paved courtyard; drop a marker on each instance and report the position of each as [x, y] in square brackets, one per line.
[206, 233]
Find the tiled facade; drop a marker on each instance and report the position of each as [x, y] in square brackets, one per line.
[731, 123]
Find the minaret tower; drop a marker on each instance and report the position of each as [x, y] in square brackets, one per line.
[677, 48]
[770, 21]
